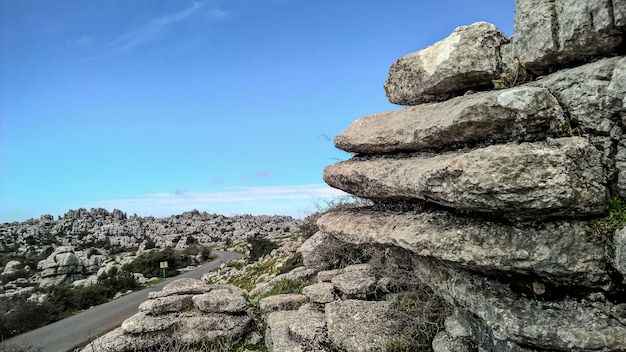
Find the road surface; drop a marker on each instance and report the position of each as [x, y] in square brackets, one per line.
[70, 333]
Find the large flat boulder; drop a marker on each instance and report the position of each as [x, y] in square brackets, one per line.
[559, 177]
[468, 58]
[562, 250]
[520, 113]
[560, 32]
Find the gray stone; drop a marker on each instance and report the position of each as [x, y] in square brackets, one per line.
[194, 327]
[468, 58]
[619, 240]
[563, 325]
[356, 281]
[360, 326]
[182, 287]
[62, 266]
[616, 90]
[308, 328]
[290, 301]
[620, 165]
[443, 342]
[589, 94]
[11, 267]
[559, 177]
[559, 32]
[277, 337]
[143, 323]
[323, 292]
[561, 250]
[519, 113]
[166, 304]
[220, 301]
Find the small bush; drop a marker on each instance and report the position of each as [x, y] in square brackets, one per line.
[148, 263]
[260, 247]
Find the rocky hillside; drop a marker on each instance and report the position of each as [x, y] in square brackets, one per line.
[79, 246]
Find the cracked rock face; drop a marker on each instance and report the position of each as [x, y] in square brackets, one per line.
[548, 33]
[562, 325]
[559, 177]
[562, 249]
[468, 58]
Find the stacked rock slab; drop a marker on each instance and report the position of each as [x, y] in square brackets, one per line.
[504, 185]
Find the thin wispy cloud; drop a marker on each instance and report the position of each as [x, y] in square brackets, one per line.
[152, 29]
[290, 200]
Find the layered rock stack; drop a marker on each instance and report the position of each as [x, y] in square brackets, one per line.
[497, 192]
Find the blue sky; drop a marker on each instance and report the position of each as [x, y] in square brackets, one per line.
[157, 107]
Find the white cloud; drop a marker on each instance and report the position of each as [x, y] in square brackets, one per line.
[151, 29]
[297, 200]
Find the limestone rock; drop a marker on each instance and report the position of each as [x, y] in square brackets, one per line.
[323, 292]
[290, 301]
[166, 304]
[308, 327]
[143, 323]
[560, 177]
[359, 326]
[182, 287]
[560, 250]
[519, 113]
[194, 327]
[619, 241]
[62, 266]
[443, 342]
[11, 267]
[554, 325]
[468, 58]
[277, 338]
[220, 301]
[590, 94]
[549, 33]
[616, 90]
[355, 281]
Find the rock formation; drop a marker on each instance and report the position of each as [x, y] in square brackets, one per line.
[497, 194]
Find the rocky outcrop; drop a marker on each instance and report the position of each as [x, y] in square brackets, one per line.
[62, 266]
[93, 235]
[498, 197]
[468, 58]
[186, 311]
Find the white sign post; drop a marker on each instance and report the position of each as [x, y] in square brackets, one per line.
[164, 267]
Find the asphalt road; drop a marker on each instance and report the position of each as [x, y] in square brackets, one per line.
[77, 330]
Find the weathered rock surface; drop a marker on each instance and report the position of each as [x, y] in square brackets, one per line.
[277, 338]
[560, 177]
[591, 95]
[355, 281]
[561, 32]
[290, 301]
[560, 325]
[322, 292]
[61, 266]
[619, 256]
[220, 300]
[562, 250]
[359, 326]
[521, 113]
[468, 58]
[187, 311]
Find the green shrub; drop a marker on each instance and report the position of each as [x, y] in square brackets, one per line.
[260, 247]
[148, 263]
